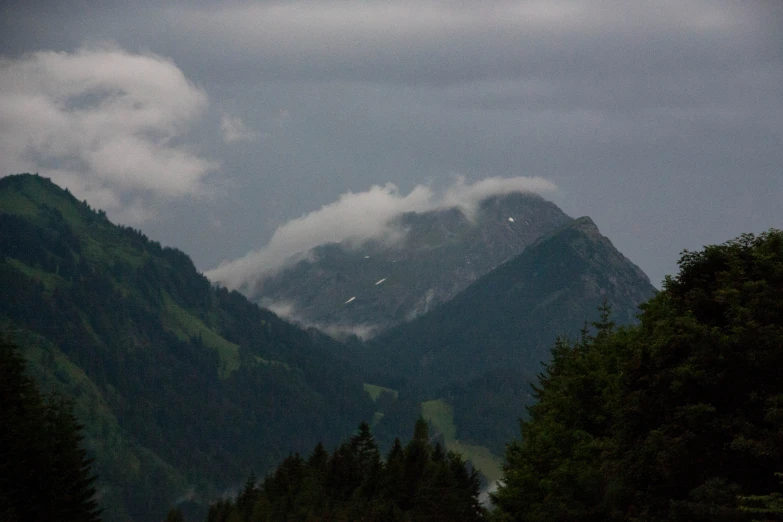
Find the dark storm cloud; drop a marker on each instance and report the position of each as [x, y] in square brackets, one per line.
[424, 41]
[662, 120]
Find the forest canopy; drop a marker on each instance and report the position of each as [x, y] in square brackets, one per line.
[678, 418]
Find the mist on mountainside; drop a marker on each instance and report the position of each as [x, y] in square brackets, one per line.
[360, 216]
[416, 260]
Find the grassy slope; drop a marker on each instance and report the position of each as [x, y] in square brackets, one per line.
[49, 280]
[441, 415]
[127, 460]
[186, 326]
[375, 391]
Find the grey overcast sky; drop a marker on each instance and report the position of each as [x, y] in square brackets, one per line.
[209, 125]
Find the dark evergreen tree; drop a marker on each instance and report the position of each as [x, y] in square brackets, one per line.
[247, 498]
[368, 460]
[394, 473]
[44, 472]
[318, 459]
[416, 465]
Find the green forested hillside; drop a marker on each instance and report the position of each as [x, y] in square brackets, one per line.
[677, 419]
[183, 388]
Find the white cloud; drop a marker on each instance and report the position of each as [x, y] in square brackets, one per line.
[103, 122]
[360, 216]
[468, 196]
[234, 129]
[338, 331]
[353, 215]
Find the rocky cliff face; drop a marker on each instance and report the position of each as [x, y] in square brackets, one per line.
[350, 288]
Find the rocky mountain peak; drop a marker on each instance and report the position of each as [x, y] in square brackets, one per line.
[346, 288]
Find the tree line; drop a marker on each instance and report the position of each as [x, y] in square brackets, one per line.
[417, 482]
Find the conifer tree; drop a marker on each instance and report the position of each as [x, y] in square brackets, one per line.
[247, 498]
[368, 459]
[44, 472]
[319, 458]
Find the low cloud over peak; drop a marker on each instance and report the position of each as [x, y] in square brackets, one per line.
[104, 122]
[449, 43]
[361, 216]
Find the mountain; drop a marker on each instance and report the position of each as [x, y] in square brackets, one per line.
[364, 288]
[480, 350]
[183, 387]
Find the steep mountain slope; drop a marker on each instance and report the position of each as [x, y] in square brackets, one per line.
[502, 327]
[184, 388]
[349, 288]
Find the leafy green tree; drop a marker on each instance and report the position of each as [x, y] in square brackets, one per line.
[675, 419]
[555, 471]
[701, 421]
